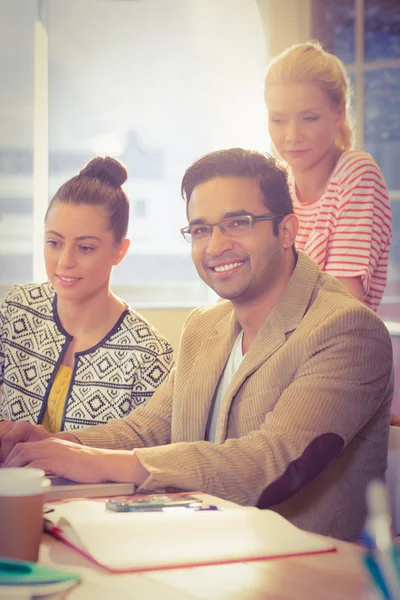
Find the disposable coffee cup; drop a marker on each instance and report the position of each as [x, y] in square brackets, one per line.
[21, 512]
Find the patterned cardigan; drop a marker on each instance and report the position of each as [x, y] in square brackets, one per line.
[108, 380]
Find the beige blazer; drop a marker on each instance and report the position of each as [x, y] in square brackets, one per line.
[304, 424]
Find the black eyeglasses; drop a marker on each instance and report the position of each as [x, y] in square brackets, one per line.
[231, 227]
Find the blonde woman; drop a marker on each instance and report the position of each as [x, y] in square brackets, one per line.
[338, 193]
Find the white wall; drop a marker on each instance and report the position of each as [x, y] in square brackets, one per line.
[285, 22]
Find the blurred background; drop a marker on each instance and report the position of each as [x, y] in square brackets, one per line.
[157, 83]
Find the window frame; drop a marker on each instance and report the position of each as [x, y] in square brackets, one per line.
[358, 69]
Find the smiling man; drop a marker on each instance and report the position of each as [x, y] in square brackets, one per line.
[281, 393]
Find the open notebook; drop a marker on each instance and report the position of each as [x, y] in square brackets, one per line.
[122, 542]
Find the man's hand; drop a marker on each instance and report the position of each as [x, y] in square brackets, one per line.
[394, 420]
[12, 433]
[77, 462]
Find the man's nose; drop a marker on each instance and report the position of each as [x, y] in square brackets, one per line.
[218, 242]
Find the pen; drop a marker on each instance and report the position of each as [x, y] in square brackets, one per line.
[379, 528]
[189, 508]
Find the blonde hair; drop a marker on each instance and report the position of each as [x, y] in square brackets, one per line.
[309, 62]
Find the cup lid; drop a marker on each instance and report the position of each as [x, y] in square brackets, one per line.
[23, 481]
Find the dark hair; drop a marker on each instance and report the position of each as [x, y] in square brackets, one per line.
[99, 184]
[237, 162]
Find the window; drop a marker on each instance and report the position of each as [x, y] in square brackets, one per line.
[156, 83]
[16, 140]
[365, 34]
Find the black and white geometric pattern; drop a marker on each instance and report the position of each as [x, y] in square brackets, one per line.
[108, 381]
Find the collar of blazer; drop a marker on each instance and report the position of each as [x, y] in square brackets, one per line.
[284, 318]
[296, 297]
[291, 306]
[215, 348]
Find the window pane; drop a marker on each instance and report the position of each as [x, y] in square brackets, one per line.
[382, 122]
[382, 29]
[333, 23]
[352, 81]
[157, 83]
[16, 126]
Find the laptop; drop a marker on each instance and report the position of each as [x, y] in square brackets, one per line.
[62, 489]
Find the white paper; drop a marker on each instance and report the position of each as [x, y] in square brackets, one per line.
[135, 541]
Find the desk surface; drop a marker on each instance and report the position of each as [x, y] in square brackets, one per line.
[327, 576]
[331, 576]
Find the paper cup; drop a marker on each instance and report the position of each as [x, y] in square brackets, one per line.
[21, 512]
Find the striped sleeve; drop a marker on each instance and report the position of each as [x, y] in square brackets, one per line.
[360, 237]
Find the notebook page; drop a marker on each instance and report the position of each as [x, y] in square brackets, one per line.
[158, 539]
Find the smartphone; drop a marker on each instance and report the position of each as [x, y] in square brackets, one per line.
[151, 503]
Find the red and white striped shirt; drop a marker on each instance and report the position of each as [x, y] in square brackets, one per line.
[348, 230]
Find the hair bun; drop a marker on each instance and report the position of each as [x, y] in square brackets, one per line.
[107, 169]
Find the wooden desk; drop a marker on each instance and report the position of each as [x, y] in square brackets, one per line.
[335, 576]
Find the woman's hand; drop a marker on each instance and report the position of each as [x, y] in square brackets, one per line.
[77, 462]
[12, 433]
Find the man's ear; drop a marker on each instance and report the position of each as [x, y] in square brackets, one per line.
[288, 228]
[122, 249]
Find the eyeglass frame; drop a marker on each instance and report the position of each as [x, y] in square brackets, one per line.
[253, 218]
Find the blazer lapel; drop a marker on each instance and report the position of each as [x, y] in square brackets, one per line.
[213, 352]
[283, 319]
[269, 339]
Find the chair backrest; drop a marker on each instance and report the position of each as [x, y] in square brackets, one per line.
[393, 476]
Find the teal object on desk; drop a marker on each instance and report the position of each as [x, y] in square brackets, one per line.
[376, 575]
[20, 572]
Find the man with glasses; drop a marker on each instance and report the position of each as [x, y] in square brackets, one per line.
[281, 392]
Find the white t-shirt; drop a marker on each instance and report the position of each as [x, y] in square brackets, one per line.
[232, 365]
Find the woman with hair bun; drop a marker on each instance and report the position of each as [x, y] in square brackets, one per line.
[73, 354]
[339, 194]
